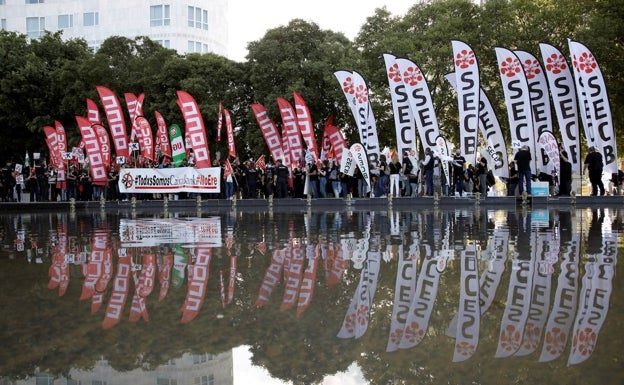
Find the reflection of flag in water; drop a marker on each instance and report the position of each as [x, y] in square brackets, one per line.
[180, 260]
[98, 298]
[164, 275]
[59, 269]
[197, 282]
[272, 277]
[561, 316]
[357, 318]
[512, 325]
[232, 279]
[496, 256]
[121, 286]
[469, 316]
[309, 280]
[293, 271]
[547, 252]
[404, 290]
[594, 304]
[422, 304]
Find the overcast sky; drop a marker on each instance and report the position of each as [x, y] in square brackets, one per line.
[249, 20]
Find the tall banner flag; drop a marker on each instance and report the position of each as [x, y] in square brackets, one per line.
[97, 167]
[93, 112]
[219, 121]
[290, 132]
[421, 102]
[178, 151]
[356, 91]
[468, 87]
[517, 98]
[52, 142]
[162, 137]
[195, 130]
[230, 134]
[404, 125]
[61, 139]
[269, 130]
[116, 121]
[306, 126]
[359, 154]
[105, 148]
[550, 148]
[443, 153]
[540, 104]
[563, 94]
[133, 104]
[592, 88]
[144, 133]
[496, 149]
[335, 142]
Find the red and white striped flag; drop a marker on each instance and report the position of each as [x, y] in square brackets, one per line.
[260, 163]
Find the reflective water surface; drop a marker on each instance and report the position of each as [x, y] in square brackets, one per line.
[470, 296]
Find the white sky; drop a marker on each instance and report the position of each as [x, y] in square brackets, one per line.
[250, 19]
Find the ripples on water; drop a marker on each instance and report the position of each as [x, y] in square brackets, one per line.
[464, 296]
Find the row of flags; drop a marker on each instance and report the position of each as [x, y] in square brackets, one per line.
[529, 87]
[578, 94]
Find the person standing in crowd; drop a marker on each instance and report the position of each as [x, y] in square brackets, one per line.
[313, 180]
[565, 172]
[381, 187]
[512, 181]
[334, 179]
[481, 171]
[281, 179]
[459, 162]
[323, 171]
[268, 179]
[252, 180]
[298, 182]
[523, 163]
[428, 164]
[395, 176]
[407, 168]
[593, 164]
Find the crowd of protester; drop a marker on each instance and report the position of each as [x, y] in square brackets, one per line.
[389, 177]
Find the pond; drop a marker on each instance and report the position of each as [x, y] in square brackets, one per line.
[471, 295]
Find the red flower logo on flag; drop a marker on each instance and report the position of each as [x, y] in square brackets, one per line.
[412, 76]
[556, 64]
[347, 86]
[531, 68]
[555, 341]
[510, 338]
[361, 94]
[585, 63]
[465, 59]
[510, 67]
[585, 341]
[363, 314]
[394, 73]
[350, 322]
[465, 349]
[396, 336]
[413, 333]
[127, 180]
[357, 147]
